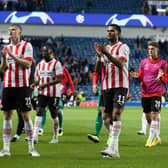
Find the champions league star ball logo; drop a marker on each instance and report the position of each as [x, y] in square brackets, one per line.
[142, 19]
[39, 17]
[80, 18]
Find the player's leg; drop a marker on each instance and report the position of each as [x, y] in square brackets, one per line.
[154, 138]
[119, 97]
[156, 107]
[41, 105]
[146, 105]
[108, 97]
[41, 130]
[157, 139]
[7, 128]
[144, 124]
[29, 132]
[24, 102]
[95, 137]
[8, 103]
[53, 107]
[60, 117]
[159, 119]
[99, 121]
[20, 127]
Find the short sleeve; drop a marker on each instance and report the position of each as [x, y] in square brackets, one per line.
[58, 69]
[36, 74]
[124, 53]
[28, 54]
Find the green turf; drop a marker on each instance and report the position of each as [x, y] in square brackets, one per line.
[76, 151]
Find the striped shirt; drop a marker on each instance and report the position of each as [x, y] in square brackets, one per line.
[16, 75]
[47, 72]
[116, 77]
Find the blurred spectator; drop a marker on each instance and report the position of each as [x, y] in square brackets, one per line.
[81, 97]
[36, 5]
[68, 51]
[166, 10]
[89, 4]
[22, 5]
[60, 9]
[2, 4]
[137, 53]
[70, 9]
[86, 71]
[142, 42]
[91, 61]
[145, 7]
[10, 5]
[137, 42]
[153, 10]
[40, 6]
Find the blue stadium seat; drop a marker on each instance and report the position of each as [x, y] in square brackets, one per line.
[96, 6]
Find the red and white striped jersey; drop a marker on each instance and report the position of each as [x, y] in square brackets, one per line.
[114, 76]
[47, 72]
[16, 75]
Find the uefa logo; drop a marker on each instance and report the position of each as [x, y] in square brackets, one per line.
[29, 17]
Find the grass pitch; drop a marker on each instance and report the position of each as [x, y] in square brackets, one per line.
[75, 151]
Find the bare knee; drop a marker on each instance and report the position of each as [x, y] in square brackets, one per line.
[8, 115]
[39, 111]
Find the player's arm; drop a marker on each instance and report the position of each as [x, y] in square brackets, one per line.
[95, 81]
[163, 74]
[98, 61]
[134, 74]
[119, 63]
[57, 80]
[24, 62]
[3, 65]
[98, 65]
[102, 50]
[140, 73]
[36, 78]
[70, 81]
[164, 78]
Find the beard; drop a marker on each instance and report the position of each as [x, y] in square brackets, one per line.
[47, 59]
[112, 39]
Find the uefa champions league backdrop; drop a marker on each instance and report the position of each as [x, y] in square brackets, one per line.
[134, 20]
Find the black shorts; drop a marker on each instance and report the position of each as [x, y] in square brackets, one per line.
[101, 101]
[34, 102]
[44, 101]
[114, 98]
[151, 104]
[16, 98]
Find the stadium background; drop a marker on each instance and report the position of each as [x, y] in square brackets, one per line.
[73, 42]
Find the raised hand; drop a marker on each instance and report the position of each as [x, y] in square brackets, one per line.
[95, 89]
[98, 48]
[3, 52]
[9, 52]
